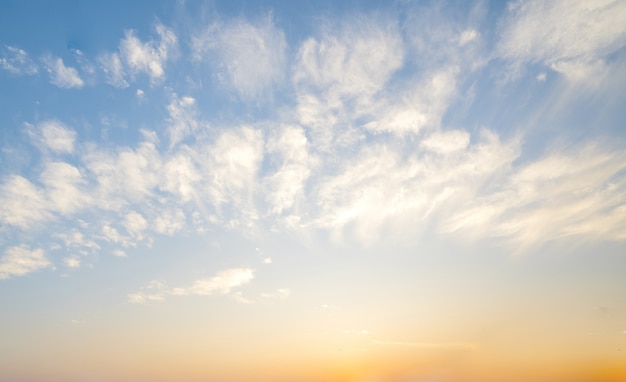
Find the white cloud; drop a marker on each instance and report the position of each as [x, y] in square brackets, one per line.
[467, 36]
[61, 75]
[21, 203]
[149, 57]
[340, 77]
[231, 166]
[119, 253]
[113, 69]
[76, 239]
[111, 234]
[20, 260]
[142, 297]
[86, 67]
[183, 119]
[541, 77]
[54, 135]
[285, 187]
[565, 194]
[253, 56]
[222, 283]
[17, 61]
[279, 294]
[63, 183]
[170, 222]
[421, 106]
[446, 142]
[356, 59]
[181, 177]
[568, 36]
[130, 175]
[72, 262]
[135, 224]
[380, 192]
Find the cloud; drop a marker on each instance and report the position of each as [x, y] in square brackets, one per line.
[125, 175]
[181, 177]
[252, 56]
[20, 260]
[54, 135]
[564, 194]
[422, 106]
[72, 262]
[22, 204]
[113, 69]
[170, 222]
[572, 37]
[285, 187]
[446, 142]
[370, 147]
[135, 224]
[58, 137]
[467, 36]
[183, 119]
[338, 74]
[119, 253]
[279, 294]
[64, 188]
[357, 58]
[148, 57]
[76, 239]
[61, 75]
[222, 283]
[383, 191]
[231, 166]
[16, 61]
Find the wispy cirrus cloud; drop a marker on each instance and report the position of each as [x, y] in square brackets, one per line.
[250, 57]
[574, 38]
[338, 73]
[183, 118]
[565, 194]
[17, 61]
[113, 69]
[288, 149]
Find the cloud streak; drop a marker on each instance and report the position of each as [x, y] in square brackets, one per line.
[222, 283]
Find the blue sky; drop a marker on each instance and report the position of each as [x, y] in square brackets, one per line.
[385, 178]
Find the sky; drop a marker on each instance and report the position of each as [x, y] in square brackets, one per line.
[313, 191]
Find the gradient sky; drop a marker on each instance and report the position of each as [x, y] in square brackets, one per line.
[313, 191]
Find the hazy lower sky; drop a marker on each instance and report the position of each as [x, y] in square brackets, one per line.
[342, 191]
